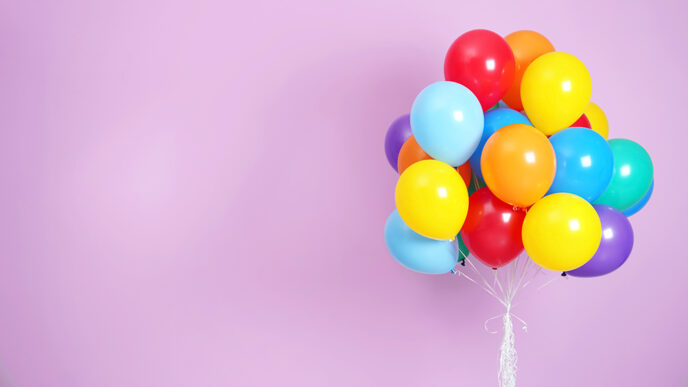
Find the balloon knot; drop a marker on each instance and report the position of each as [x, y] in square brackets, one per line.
[563, 274]
[463, 263]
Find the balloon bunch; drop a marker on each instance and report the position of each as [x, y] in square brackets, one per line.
[508, 154]
[513, 126]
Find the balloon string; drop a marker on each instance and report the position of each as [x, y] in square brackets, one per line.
[506, 376]
[537, 271]
[484, 286]
[524, 325]
[484, 281]
[547, 283]
[504, 288]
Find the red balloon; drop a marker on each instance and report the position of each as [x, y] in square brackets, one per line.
[581, 122]
[482, 61]
[492, 230]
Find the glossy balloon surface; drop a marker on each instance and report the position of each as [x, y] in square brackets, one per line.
[640, 204]
[632, 177]
[598, 120]
[397, 134]
[615, 246]
[492, 231]
[518, 164]
[526, 46]
[447, 122]
[494, 120]
[555, 91]
[584, 163]
[432, 199]
[561, 232]
[482, 61]
[416, 252]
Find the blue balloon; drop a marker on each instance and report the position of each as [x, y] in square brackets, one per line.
[640, 203]
[416, 252]
[447, 122]
[495, 120]
[585, 163]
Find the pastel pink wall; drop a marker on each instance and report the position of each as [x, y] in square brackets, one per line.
[194, 194]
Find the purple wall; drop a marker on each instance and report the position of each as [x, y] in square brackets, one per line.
[194, 194]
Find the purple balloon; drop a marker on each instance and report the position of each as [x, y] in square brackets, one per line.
[397, 134]
[615, 247]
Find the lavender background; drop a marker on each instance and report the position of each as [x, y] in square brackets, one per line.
[194, 194]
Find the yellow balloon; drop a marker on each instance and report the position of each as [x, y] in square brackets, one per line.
[561, 232]
[598, 120]
[555, 91]
[432, 199]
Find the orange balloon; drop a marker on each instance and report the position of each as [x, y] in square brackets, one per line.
[526, 46]
[518, 164]
[465, 172]
[409, 154]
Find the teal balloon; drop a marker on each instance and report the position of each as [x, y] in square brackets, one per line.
[498, 105]
[632, 176]
[494, 120]
[585, 163]
[416, 252]
[641, 203]
[447, 122]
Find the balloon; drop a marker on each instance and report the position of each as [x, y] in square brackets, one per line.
[447, 122]
[463, 250]
[492, 230]
[417, 252]
[526, 46]
[561, 232]
[581, 122]
[494, 120]
[476, 184]
[482, 61]
[640, 203]
[397, 134]
[432, 199]
[584, 163]
[598, 120]
[410, 153]
[632, 175]
[555, 91]
[615, 247]
[518, 164]
[465, 171]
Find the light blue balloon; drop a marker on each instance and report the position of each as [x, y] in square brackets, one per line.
[494, 120]
[640, 203]
[416, 252]
[447, 122]
[585, 163]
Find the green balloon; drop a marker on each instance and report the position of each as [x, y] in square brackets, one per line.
[476, 184]
[494, 107]
[633, 174]
[463, 250]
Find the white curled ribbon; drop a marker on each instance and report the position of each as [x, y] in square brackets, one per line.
[524, 325]
[517, 276]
